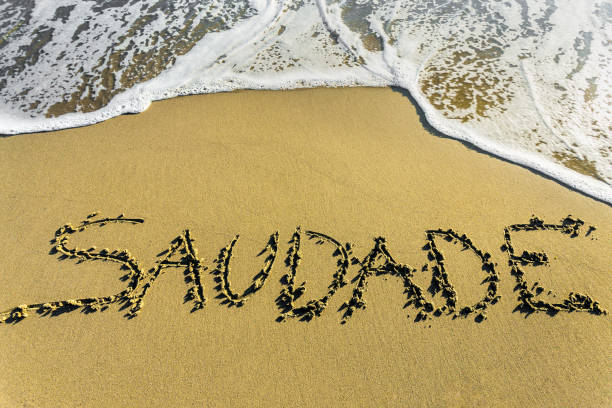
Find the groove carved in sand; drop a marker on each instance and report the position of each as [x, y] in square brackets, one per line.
[528, 297]
[290, 292]
[222, 272]
[184, 255]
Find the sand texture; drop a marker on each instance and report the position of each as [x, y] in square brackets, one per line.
[299, 249]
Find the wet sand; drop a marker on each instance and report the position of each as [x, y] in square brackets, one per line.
[158, 259]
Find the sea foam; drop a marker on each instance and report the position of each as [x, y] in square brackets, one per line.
[528, 81]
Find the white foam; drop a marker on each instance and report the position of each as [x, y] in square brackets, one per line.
[542, 69]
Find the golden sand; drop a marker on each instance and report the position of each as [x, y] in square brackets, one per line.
[132, 247]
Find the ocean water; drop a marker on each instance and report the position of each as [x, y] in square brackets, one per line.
[527, 80]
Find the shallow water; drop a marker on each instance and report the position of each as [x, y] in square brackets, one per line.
[526, 80]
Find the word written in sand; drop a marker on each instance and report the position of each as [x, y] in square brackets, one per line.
[183, 254]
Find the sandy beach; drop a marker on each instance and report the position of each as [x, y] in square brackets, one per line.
[431, 223]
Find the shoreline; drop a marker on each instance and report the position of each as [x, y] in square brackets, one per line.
[568, 180]
[436, 132]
